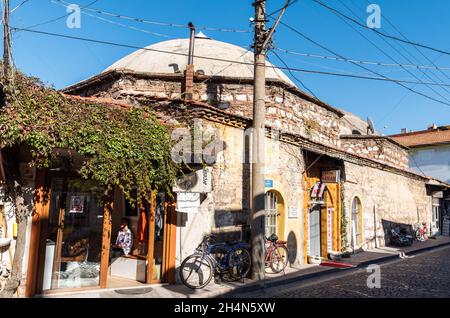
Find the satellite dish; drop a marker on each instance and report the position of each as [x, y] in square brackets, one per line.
[370, 126]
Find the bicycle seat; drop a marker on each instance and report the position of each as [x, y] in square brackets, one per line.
[281, 242]
[273, 238]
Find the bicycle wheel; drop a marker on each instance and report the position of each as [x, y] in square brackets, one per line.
[196, 271]
[419, 235]
[279, 259]
[239, 263]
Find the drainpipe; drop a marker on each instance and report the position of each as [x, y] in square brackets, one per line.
[189, 73]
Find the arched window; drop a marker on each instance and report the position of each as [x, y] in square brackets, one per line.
[274, 209]
[356, 221]
[271, 207]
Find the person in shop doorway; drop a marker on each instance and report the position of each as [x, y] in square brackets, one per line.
[123, 241]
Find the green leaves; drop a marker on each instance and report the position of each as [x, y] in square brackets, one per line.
[121, 147]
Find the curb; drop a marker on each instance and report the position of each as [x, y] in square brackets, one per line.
[264, 285]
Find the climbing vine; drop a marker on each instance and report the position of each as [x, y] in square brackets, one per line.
[344, 220]
[120, 146]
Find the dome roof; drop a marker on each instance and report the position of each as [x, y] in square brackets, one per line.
[149, 60]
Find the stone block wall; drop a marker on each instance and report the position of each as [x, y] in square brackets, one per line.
[284, 109]
[377, 148]
[387, 200]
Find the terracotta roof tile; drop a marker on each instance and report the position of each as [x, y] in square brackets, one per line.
[423, 138]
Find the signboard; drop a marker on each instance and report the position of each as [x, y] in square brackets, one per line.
[330, 229]
[331, 176]
[269, 183]
[188, 202]
[293, 212]
[76, 204]
[308, 244]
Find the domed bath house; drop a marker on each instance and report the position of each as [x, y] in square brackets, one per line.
[333, 183]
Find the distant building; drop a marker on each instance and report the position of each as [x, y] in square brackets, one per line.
[429, 154]
[429, 151]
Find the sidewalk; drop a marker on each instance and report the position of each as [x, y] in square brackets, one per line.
[291, 275]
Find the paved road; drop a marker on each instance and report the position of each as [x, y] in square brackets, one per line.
[425, 275]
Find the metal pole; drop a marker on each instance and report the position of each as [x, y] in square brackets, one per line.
[258, 184]
[191, 43]
[6, 41]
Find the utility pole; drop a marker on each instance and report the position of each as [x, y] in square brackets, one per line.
[6, 41]
[261, 41]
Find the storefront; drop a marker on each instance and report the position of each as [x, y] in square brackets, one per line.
[72, 232]
[322, 207]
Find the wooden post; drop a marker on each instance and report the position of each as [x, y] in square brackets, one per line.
[39, 220]
[172, 238]
[106, 243]
[151, 238]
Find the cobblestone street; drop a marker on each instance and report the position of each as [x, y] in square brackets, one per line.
[424, 276]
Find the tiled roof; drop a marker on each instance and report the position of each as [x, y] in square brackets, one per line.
[436, 136]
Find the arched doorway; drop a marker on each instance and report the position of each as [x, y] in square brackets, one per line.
[356, 223]
[274, 207]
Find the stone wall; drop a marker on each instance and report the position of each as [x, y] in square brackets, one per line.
[285, 110]
[226, 211]
[377, 148]
[387, 200]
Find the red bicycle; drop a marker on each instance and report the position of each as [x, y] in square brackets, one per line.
[277, 254]
[421, 233]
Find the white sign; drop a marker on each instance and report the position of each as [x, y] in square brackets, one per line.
[330, 229]
[199, 181]
[188, 202]
[293, 212]
[308, 245]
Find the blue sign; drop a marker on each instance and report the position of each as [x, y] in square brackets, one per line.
[269, 183]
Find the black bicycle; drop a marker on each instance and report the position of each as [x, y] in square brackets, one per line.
[230, 260]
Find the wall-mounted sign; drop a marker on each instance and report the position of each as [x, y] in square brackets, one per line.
[269, 183]
[331, 176]
[76, 204]
[293, 212]
[188, 202]
[330, 229]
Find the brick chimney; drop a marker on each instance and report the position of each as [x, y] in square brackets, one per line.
[188, 87]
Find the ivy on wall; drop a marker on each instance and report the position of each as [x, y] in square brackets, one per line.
[121, 146]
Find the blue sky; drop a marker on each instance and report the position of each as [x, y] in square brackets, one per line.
[61, 62]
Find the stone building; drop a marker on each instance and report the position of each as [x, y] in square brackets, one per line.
[330, 184]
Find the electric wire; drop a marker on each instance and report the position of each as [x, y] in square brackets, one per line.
[381, 78]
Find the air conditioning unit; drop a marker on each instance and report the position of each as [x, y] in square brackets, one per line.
[199, 181]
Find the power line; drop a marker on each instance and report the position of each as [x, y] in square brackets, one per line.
[295, 77]
[333, 58]
[417, 49]
[382, 78]
[60, 17]
[381, 33]
[283, 8]
[389, 56]
[396, 50]
[117, 23]
[19, 5]
[125, 17]
[400, 83]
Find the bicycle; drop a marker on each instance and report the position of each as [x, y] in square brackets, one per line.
[231, 258]
[277, 254]
[421, 233]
